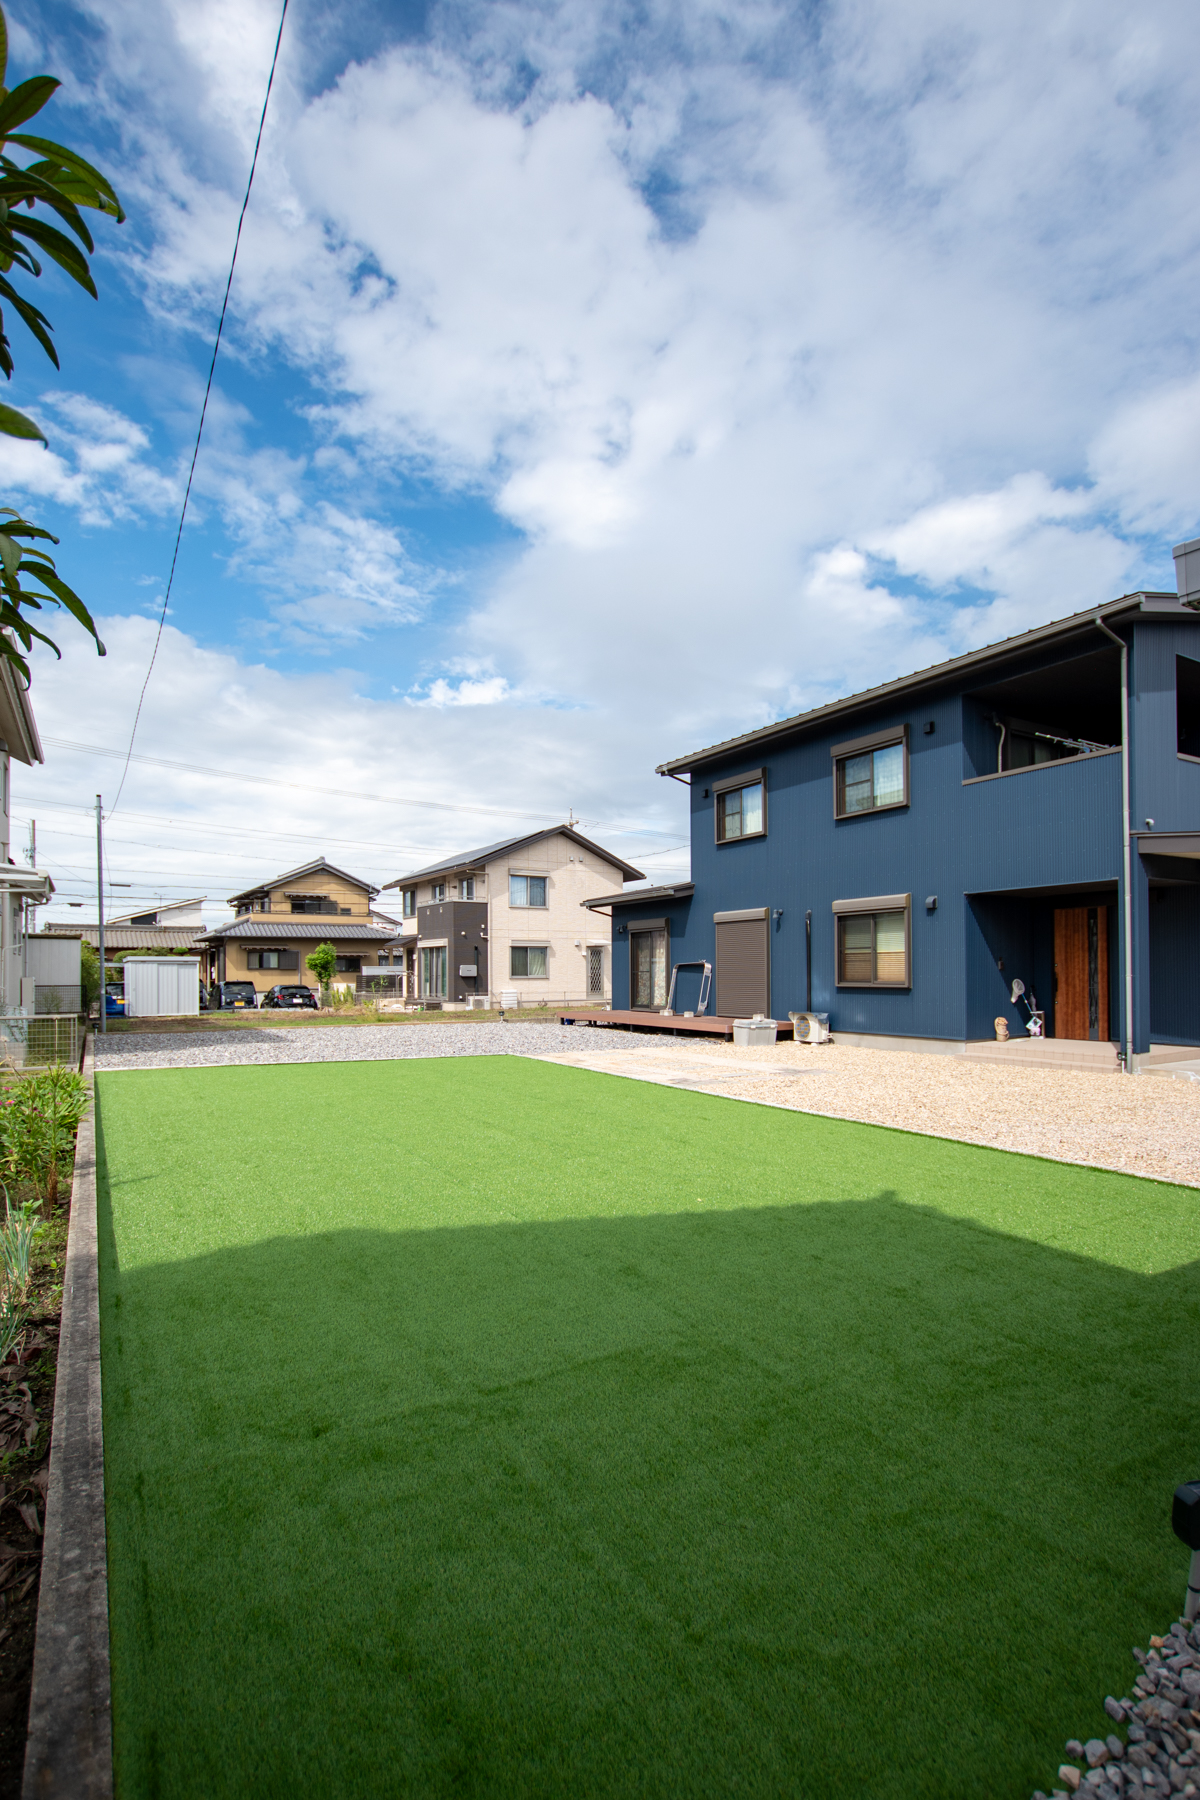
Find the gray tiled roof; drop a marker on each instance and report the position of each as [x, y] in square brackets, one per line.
[290, 925]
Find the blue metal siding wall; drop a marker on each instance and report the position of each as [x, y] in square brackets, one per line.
[676, 913]
[1058, 824]
[1165, 787]
[1175, 965]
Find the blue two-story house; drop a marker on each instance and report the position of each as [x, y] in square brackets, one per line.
[898, 858]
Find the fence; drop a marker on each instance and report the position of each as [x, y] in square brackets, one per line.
[59, 998]
[45, 1038]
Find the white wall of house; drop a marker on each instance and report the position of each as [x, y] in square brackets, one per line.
[572, 945]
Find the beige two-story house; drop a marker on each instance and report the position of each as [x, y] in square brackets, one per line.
[506, 924]
[278, 925]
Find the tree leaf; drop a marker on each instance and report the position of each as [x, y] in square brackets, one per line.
[70, 160]
[10, 554]
[15, 424]
[25, 100]
[3, 46]
[55, 244]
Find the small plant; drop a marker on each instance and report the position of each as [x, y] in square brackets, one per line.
[16, 1244]
[12, 1325]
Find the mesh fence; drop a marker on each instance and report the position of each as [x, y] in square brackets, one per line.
[58, 999]
[46, 1038]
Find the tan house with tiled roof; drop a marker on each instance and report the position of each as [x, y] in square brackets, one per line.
[280, 923]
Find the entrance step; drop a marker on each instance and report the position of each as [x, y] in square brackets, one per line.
[1047, 1053]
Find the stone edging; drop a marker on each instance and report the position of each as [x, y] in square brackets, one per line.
[69, 1750]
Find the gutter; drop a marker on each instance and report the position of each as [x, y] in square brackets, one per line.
[1126, 850]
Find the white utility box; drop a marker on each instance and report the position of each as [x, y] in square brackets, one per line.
[162, 987]
[755, 1034]
[810, 1028]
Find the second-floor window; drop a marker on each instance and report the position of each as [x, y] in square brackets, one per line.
[437, 892]
[869, 775]
[741, 811]
[466, 888]
[410, 902]
[527, 890]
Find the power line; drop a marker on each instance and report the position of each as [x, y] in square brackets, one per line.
[204, 408]
[307, 787]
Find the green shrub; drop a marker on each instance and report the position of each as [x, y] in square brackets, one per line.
[40, 1119]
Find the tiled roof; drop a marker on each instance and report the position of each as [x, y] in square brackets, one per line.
[290, 925]
[316, 867]
[130, 937]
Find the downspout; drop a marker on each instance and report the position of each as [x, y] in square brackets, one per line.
[1127, 865]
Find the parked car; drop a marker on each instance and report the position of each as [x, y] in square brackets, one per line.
[114, 1001]
[285, 995]
[236, 994]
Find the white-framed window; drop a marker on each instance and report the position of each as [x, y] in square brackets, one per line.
[529, 961]
[437, 892]
[527, 890]
[410, 902]
[466, 888]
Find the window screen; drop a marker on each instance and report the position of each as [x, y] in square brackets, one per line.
[527, 890]
[529, 960]
[870, 780]
[740, 812]
[873, 949]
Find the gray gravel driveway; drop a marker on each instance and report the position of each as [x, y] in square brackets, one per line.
[351, 1043]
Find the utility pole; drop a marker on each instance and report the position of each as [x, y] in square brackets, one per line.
[100, 911]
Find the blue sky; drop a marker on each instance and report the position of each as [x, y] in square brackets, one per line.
[600, 380]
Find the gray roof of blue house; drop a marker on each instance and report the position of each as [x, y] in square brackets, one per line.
[937, 674]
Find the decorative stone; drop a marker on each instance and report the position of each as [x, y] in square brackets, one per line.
[1189, 1681]
[1116, 1748]
[1114, 1709]
[1096, 1751]
[1070, 1774]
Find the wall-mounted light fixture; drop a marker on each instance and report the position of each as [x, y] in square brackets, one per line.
[930, 727]
[777, 914]
[931, 903]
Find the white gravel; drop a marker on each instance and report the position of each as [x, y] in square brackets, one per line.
[1139, 1124]
[333, 1043]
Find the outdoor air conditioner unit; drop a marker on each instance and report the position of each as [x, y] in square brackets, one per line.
[810, 1028]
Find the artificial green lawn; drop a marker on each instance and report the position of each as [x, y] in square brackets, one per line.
[479, 1426]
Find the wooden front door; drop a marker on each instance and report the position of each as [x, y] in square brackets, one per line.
[1081, 972]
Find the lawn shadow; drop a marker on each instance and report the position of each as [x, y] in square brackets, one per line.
[829, 1499]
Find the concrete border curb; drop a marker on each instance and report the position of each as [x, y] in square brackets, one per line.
[69, 1748]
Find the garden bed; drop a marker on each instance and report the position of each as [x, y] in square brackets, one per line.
[36, 1155]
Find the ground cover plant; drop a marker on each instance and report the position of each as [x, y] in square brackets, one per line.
[488, 1427]
[39, 1116]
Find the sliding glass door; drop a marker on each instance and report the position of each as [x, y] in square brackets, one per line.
[434, 965]
[647, 969]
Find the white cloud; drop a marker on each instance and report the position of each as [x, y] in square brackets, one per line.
[907, 363]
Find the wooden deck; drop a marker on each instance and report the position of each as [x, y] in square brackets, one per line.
[654, 1021]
